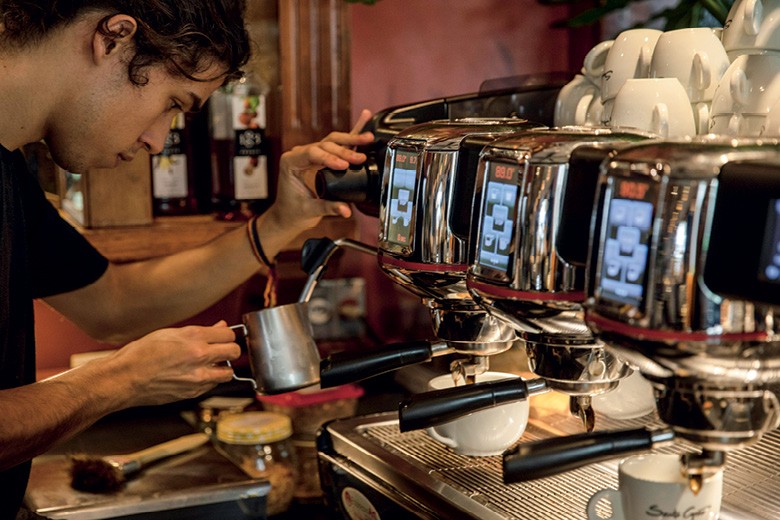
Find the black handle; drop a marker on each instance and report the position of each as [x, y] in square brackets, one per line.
[532, 460]
[360, 185]
[315, 253]
[440, 406]
[348, 367]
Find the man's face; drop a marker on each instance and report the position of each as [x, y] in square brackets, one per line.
[113, 119]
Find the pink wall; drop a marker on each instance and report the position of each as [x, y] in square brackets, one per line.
[412, 50]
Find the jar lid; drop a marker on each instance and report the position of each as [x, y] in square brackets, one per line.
[253, 428]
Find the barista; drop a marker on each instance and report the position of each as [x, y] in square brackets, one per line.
[100, 80]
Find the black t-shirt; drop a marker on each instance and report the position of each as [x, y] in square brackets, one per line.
[40, 255]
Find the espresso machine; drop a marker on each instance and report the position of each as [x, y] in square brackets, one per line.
[517, 275]
[367, 464]
[663, 294]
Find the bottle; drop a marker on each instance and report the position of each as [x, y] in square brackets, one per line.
[259, 443]
[173, 182]
[239, 150]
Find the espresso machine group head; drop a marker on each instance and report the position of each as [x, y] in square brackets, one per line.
[517, 272]
[661, 295]
[424, 224]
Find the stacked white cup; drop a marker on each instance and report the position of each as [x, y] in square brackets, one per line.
[579, 101]
[629, 57]
[751, 85]
[697, 58]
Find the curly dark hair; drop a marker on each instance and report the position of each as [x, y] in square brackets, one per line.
[187, 36]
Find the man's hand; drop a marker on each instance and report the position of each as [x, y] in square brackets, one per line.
[297, 206]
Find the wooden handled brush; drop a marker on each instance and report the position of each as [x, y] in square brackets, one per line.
[108, 473]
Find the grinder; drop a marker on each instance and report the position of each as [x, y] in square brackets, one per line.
[663, 208]
[424, 221]
[517, 275]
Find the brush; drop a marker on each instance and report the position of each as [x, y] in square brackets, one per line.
[105, 474]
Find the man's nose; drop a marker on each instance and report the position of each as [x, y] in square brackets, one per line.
[153, 139]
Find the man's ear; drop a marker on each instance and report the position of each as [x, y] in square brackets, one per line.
[120, 31]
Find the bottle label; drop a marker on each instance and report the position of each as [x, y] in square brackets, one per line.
[251, 177]
[169, 168]
[250, 162]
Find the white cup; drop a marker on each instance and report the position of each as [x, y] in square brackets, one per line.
[771, 127]
[745, 94]
[652, 486]
[571, 105]
[657, 105]
[752, 27]
[486, 432]
[694, 56]
[629, 56]
[633, 398]
[595, 60]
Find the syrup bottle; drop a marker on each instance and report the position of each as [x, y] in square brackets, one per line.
[173, 172]
[239, 150]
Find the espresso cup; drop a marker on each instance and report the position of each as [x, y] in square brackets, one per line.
[486, 432]
[657, 105]
[572, 103]
[771, 126]
[752, 27]
[652, 486]
[634, 397]
[595, 60]
[695, 56]
[629, 56]
[745, 94]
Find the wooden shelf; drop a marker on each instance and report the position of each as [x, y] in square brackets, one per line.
[167, 235]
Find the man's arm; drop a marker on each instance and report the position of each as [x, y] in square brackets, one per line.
[132, 299]
[165, 366]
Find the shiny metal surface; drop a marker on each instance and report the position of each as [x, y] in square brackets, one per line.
[200, 479]
[458, 324]
[577, 369]
[677, 308]
[459, 487]
[716, 416]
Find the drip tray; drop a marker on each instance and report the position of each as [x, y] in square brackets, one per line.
[422, 471]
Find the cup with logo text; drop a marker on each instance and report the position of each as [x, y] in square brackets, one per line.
[653, 486]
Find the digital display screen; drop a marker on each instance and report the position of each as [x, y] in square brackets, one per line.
[403, 183]
[770, 254]
[626, 248]
[498, 217]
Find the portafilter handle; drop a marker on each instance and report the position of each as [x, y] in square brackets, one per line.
[439, 406]
[348, 367]
[533, 460]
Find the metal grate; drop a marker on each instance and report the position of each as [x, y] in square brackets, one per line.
[751, 486]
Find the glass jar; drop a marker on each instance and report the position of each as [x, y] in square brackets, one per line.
[259, 443]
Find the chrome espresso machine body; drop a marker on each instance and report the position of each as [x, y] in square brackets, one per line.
[424, 225]
[517, 275]
[369, 466]
[711, 356]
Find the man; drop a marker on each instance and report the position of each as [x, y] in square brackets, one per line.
[99, 80]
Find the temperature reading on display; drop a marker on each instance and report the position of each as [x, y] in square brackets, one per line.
[499, 216]
[627, 244]
[770, 254]
[402, 188]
